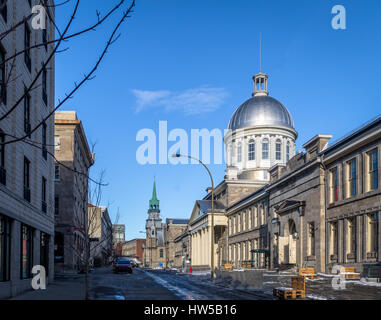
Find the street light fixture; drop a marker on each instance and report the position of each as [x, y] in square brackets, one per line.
[177, 155]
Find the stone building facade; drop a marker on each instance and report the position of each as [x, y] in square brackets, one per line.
[119, 233]
[100, 235]
[200, 230]
[71, 191]
[134, 249]
[173, 228]
[182, 248]
[353, 197]
[248, 230]
[26, 170]
[297, 209]
[323, 207]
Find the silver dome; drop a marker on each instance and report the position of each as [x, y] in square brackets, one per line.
[261, 111]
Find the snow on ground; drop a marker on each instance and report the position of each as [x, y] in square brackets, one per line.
[315, 297]
[201, 273]
[363, 282]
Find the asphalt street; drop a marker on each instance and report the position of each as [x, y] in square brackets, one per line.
[163, 285]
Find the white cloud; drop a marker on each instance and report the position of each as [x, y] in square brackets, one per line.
[190, 101]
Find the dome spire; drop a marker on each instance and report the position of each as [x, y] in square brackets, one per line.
[260, 79]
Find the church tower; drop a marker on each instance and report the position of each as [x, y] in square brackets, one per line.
[154, 252]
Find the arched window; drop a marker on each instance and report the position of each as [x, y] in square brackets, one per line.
[287, 152]
[239, 153]
[278, 150]
[265, 149]
[251, 154]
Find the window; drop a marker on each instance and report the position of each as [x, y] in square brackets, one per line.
[26, 251]
[239, 153]
[4, 9]
[311, 239]
[3, 174]
[3, 87]
[56, 205]
[43, 138]
[161, 253]
[251, 150]
[26, 179]
[334, 185]
[5, 248]
[287, 152]
[265, 149]
[44, 251]
[43, 195]
[373, 170]
[27, 126]
[352, 177]
[57, 172]
[263, 215]
[44, 86]
[278, 150]
[373, 232]
[27, 41]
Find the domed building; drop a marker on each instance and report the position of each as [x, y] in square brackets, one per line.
[260, 135]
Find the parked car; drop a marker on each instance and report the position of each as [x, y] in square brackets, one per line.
[122, 265]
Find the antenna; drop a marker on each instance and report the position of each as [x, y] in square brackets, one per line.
[260, 51]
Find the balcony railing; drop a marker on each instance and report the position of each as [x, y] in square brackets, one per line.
[27, 193]
[3, 176]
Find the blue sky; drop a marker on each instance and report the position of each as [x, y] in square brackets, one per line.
[191, 62]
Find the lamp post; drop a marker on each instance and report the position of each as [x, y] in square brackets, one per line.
[212, 211]
[144, 247]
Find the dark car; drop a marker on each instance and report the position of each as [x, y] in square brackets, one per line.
[122, 265]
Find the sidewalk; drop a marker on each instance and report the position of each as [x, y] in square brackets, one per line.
[64, 287]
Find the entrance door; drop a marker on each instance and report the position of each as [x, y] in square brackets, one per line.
[292, 250]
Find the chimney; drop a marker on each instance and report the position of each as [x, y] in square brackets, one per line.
[316, 145]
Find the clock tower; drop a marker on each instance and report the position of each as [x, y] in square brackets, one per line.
[154, 253]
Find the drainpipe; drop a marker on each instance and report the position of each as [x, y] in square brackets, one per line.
[325, 210]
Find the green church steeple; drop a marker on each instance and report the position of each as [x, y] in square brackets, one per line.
[154, 202]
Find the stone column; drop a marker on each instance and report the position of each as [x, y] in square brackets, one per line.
[245, 149]
[340, 236]
[358, 238]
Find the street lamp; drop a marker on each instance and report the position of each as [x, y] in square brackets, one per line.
[144, 247]
[212, 211]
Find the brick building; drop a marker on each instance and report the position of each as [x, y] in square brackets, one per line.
[71, 191]
[133, 248]
[173, 228]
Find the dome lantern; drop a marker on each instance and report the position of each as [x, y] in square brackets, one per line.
[260, 84]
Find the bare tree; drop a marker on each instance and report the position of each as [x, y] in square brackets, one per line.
[54, 45]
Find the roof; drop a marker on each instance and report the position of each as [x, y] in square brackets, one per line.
[353, 134]
[206, 206]
[261, 111]
[176, 221]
